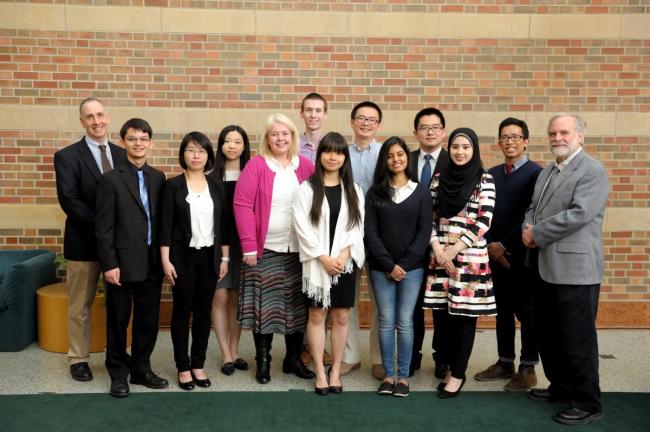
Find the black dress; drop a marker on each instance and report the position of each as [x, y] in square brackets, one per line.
[341, 294]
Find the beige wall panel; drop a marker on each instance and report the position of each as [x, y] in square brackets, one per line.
[31, 216]
[635, 26]
[28, 117]
[421, 25]
[573, 26]
[301, 23]
[633, 124]
[484, 25]
[32, 17]
[208, 21]
[483, 123]
[627, 219]
[600, 124]
[113, 18]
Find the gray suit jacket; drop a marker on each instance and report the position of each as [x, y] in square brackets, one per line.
[568, 222]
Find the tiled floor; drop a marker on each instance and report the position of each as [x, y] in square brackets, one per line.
[624, 363]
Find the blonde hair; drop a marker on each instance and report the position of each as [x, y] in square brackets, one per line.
[265, 150]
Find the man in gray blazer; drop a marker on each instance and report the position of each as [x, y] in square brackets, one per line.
[564, 226]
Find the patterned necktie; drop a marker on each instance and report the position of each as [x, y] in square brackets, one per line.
[144, 196]
[106, 164]
[425, 176]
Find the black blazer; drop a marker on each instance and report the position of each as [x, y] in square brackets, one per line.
[175, 220]
[77, 177]
[441, 164]
[121, 221]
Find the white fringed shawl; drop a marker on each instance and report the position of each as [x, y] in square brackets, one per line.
[313, 241]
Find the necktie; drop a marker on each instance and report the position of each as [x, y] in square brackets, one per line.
[425, 176]
[508, 168]
[144, 196]
[106, 164]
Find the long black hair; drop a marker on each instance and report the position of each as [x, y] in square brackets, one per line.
[334, 142]
[220, 159]
[381, 192]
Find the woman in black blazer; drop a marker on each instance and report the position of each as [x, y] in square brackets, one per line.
[193, 224]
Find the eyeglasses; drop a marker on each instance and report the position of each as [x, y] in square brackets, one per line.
[133, 140]
[200, 152]
[363, 119]
[430, 128]
[503, 139]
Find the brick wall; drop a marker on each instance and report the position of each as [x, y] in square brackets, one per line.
[199, 65]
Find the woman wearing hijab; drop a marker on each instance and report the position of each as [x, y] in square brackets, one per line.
[460, 280]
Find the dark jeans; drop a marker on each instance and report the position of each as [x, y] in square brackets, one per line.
[192, 293]
[565, 317]
[144, 298]
[513, 292]
[461, 332]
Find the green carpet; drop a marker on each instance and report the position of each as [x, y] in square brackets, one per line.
[304, 411]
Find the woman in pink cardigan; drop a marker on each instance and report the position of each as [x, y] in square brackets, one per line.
[270, 291]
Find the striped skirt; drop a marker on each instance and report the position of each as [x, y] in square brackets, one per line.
[270, 295]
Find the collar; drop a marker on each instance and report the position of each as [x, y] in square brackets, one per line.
[410, 185]
[560, 166]
[356, 148]
[434, 154]
[276, 166]
[94, 143]
[518, 163]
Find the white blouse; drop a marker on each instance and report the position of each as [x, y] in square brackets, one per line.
[281, 237]
[404, 192]
[201, 218]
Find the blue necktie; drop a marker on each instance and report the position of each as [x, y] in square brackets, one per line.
[425, 177]
[144, 196]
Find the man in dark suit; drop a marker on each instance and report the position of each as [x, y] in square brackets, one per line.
[127, 240]
[78, 169]
[514, 181]
[429, 159]
[564, 223]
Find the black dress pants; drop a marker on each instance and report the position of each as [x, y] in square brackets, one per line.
[565, 318]
[513, 292]
[461, 332]
[144, 298]
[439, 342]
[192, 294]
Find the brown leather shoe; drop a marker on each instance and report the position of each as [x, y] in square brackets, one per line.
[305, 356]
[497, 371]
[523, 380]
[378, 372]
[346, 368]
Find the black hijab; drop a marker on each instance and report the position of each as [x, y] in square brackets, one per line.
[459, 181]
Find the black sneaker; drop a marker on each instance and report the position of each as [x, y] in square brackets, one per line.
[386, 388]
[401, 390]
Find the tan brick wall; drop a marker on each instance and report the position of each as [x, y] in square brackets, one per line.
[199, 65]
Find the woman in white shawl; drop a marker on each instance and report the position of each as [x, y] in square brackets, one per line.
[328, 218]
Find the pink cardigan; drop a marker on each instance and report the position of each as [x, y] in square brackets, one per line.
[252, 202]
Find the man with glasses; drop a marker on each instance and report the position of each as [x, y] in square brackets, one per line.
[564, 223]
[514, 181]
[364, 151]
[127, 240]
[78, 169]
[428, 160]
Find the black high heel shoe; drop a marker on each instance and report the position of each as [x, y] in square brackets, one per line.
[444, 394]
[334, 389]
[321, 391]
[201, 382]
[187, 385]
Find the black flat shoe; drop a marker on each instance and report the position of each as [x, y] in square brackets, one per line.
[119, 389]
[149, 380]
[240, 364]
[444, 394]
[204, 383]
[577, 416]
[334, 389]
[187, 385]
[81, 372]
[228, 368]
[298, 369]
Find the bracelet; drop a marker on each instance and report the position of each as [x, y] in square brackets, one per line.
[226, 259]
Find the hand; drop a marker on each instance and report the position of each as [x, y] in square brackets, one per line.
[527, 237]
[495, 250]
[223, 270]
[113, 276]
[446, 260]
[503, 262]
[343, 257]
[170, 272]
[250, 260]
[397, 274]
[331, 266]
